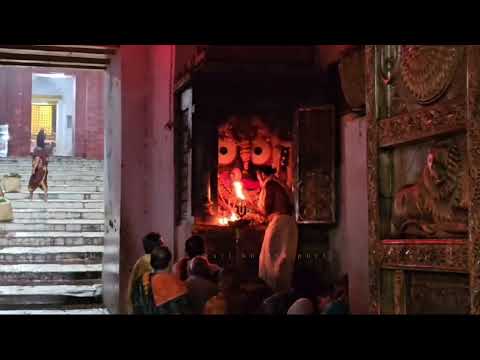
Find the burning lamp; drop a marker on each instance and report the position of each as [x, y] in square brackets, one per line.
[240, 206]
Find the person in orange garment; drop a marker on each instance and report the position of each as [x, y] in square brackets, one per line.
[160, 292]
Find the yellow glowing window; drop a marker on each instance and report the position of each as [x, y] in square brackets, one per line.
[42, 117]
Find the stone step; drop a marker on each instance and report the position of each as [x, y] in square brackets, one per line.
[55, 167]
[81, 189]
[59, 214]
[52, 255]
[86, 311]
[49, 268]
[5, 170]
[52, 160]
[69, 183]
[51, 239]
[52, 278]
[55, 290]
[57, 204]
[68, 225]
[21, 301]
[52, 176]
[56, 195]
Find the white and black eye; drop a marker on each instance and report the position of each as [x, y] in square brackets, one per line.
[227, 151]
[261, 152]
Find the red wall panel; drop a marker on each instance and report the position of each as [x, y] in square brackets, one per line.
[15, 109]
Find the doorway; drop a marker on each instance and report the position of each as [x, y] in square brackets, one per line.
[53, 109]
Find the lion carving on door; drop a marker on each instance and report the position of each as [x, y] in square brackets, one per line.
[437, 204]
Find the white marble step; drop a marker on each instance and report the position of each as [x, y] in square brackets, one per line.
[60, 214]
[64, 225]
[52, 176]
[63, 290]
[55, 221]
[51, 249]
[51, 254]
[99, 311]
[57, 204]
[63, 182]
[50, 268]
[79, 188]
[24, 170]
[52, 162]
[39, 238]
[56, 195]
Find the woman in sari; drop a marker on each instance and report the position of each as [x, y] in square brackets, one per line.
[38, 179]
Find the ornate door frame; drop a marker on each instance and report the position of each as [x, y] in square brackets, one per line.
[459, 256]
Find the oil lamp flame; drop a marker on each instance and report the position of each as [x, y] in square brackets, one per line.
[237, 185]
[225, 220]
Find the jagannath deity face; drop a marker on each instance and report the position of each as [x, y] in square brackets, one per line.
[251, 140]
[243, 143]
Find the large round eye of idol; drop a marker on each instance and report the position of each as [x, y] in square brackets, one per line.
[227, 151]
[261, 152]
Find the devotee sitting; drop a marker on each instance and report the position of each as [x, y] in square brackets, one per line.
[337, 302]
[334, 302]
[194, 246]
[160, 292]
[142, 266]
[306, 284]
[199, 284]
[230, 299]
[302, 306]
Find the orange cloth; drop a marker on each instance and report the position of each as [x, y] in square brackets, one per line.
[165, 287]
[217, 305]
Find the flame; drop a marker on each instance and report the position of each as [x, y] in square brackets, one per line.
[225, 220]
[237, 185]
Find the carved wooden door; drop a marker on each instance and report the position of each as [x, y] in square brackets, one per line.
[423, 171]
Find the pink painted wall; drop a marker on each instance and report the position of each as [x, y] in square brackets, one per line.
[349, 241]
[147, 194]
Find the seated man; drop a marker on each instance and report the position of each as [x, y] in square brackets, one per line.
[306, 284]
[160, 292]
[194, 246]
[199, 283]
[331, 300]
[337, 302]
[230, 299]
[142, 265]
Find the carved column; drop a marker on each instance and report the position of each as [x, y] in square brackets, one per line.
[372, 164]
[473, 150]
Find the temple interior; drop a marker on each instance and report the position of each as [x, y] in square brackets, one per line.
[373, 193]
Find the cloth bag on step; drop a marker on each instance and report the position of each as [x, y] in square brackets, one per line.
[11, 184]
[6, 212]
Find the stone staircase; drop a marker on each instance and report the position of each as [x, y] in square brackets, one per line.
[51, 254]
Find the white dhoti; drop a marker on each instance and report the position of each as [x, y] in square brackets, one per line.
[279, 250]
